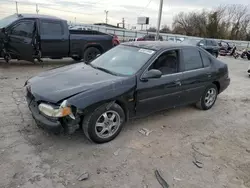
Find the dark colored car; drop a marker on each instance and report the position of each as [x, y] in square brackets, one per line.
[30, 37]
[131, 80]
[149, 37]
[209, 45]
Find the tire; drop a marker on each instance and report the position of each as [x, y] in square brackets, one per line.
[215, 54]
[93, 132]
[90, 54]
[76, 58]
[203, 103]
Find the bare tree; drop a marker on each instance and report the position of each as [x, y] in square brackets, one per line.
[225, 21]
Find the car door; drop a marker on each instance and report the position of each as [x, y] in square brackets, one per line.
[54, 40]
[160, 93]
[20, 39]
[196, 76]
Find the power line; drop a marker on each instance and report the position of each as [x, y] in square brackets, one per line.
[65, 10]
[144, 8]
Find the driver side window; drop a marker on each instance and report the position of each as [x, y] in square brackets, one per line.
[167, 62]
[23, 29]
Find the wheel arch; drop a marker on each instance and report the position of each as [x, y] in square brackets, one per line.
[94, 45]
[217, 85]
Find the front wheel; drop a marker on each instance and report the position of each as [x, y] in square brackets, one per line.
[208, 98]
[104, 124]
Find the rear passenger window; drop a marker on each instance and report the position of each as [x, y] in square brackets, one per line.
[51, 28]
[209, 43]
[192, 59]
[205, 59]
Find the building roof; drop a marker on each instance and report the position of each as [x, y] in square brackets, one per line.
[155, 45]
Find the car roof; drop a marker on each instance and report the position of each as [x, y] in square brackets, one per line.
[20, 16]
[156, 45]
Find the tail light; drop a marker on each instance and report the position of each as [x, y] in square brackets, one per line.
[140, 39]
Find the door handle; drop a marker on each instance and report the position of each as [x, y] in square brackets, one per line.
[209, 75]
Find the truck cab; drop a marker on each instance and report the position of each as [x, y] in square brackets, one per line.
[29, 37]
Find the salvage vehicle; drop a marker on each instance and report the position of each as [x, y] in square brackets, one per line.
[131, 80]
[149, 37]
[34, 36]
[209, 45]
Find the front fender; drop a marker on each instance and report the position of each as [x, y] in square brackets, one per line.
[122, 90]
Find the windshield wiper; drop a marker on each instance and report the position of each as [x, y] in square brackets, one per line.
[104, 70]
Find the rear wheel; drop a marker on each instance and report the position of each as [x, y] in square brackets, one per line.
[208, 98]
[104, 124]
[90, 54]
[215, 54]
[76, 58]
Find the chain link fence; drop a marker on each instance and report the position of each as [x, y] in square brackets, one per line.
[125, 34]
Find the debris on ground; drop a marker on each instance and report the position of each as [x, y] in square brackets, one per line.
[198, 147]
[104, 169]
[248, 150]
[163, 126]
[145, 131]
[83, 176]
[159, 178]
[177, 179]
[117, 152]
[3, 78]
[198, 163]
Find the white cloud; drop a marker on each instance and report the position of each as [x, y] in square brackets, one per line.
[90, 11]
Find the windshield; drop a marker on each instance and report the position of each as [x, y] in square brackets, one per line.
[7, 20]
[123, 60]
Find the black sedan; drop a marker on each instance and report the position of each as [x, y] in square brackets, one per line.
[131, 80]
[209, 45]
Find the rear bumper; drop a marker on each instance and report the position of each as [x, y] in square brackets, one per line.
[224, 84]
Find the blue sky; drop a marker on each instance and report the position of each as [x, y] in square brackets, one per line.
[89, 11]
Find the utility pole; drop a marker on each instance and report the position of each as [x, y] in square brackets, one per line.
[106, 13]
[159, 20]
[123, 23]
[16, 7]
[37, 10]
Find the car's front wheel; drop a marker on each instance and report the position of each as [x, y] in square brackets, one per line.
[208, 98]
[104, 124]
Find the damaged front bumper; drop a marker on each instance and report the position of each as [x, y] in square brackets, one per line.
[52, 124]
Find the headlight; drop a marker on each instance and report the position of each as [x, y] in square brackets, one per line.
[62, 111]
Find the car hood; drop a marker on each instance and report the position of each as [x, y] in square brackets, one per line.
[61, 83]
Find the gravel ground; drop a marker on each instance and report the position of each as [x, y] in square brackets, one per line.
[219, 139]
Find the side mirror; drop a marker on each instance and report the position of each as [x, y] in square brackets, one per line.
[153, 73]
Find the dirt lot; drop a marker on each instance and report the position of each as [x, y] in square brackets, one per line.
[218, 138]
